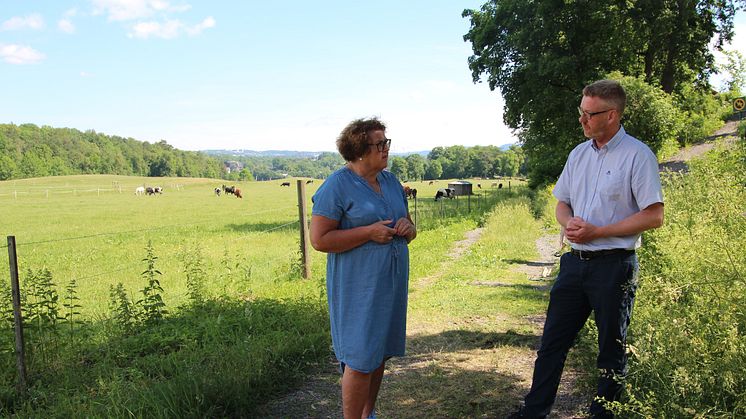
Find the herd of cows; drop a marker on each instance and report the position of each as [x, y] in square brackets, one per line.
[229, 190]
[148, 190]
[449, 193]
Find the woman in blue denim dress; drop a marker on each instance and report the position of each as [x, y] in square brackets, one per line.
[361, 220]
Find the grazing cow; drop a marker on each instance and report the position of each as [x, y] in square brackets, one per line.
[217, 191]
[139, 190]
[285, 184]
[229, 189]
[431, 182]
[494, 184]
[479, 185]
[414, 193]
[410, 192]
[149, 190]
[237, 192]
[449, 193]
[309, 181]
[500, 186]
[158, 189]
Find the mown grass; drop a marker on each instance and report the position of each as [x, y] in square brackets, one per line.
[508, 240]
[471, 345]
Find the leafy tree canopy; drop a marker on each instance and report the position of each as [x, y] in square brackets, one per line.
[541, 53]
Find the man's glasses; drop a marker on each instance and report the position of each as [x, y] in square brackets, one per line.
[590, 115]
[382, 145]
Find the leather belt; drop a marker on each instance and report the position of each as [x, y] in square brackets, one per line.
[590, 254]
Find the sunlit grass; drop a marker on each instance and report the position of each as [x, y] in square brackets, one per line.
[98, 238]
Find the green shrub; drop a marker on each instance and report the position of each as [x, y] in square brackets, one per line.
[650, 115]
[700, 111]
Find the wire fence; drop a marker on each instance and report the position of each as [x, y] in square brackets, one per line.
[261, 252]
[426, 212]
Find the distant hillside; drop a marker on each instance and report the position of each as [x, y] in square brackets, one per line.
[28, 151]
[288, 153]
[267, 153]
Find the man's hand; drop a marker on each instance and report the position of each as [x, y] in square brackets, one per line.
[579, 231]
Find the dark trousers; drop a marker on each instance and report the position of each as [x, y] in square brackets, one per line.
[605, 285]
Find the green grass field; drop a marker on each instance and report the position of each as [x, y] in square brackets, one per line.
[84, 228]
[94, 229]
[258, 330]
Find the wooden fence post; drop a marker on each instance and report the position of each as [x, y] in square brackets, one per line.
[305, 248]
[415, 211]
[17, 319]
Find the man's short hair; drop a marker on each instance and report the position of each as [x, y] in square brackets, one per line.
[611, 91]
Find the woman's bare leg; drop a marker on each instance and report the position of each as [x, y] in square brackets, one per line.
[375, 385]
[355, 392]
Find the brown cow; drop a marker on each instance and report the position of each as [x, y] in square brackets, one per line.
[237, 192]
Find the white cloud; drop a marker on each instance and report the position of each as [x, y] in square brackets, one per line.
[66, 26]
[19, 54]
[71, 13]
[208, 23]
[169, 29]
[34, 21]
[166, 30]
[119, 10]
[85, 74]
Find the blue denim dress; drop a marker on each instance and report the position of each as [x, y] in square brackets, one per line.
[366, 286]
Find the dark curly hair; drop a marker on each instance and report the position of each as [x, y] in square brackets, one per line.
[352, 142]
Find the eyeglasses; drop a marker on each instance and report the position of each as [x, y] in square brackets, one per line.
[382, 145]
[590, 115]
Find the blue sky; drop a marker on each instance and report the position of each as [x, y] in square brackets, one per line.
[248, 74]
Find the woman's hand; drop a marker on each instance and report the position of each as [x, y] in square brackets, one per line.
[405, 228]
[380, 232]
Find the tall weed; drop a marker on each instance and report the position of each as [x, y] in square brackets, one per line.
[689, 332]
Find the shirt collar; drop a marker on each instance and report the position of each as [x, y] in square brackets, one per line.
[614, 142]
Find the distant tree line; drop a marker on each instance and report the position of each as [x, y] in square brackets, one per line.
[28, 151]
[270, 167]
[441, 163]
[459, 162]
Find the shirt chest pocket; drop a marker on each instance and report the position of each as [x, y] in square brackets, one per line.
[611, 185]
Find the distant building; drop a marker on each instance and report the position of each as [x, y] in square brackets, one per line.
[461, 187]
[232, 166]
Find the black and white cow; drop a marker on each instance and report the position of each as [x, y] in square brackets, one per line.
[449, 193]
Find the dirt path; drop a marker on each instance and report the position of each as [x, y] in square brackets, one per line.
[494, 367]
[677, 162]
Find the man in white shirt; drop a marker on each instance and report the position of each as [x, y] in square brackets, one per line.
[609, 192]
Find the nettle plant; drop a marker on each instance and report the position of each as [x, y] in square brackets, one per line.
[150, 308]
